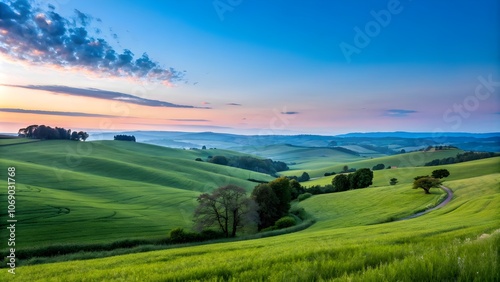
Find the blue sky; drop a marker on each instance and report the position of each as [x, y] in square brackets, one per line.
[260, 67]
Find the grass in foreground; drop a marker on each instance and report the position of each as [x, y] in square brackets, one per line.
[459, 242]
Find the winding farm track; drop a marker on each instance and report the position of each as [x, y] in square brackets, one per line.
[442, 204]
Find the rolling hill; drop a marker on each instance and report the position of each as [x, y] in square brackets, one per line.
[354, 239]
[102, 191]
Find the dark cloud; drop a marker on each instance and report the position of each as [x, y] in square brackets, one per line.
[52, 113]
[233, 104]
[289, 113]
[34, 35]
[398, 112]
[102, 94]
[189, 120]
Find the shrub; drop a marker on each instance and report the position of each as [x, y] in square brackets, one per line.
[284, 222]
[304, 196]
[178, 235]
[299, 212]
[209, 234]
[270, 228]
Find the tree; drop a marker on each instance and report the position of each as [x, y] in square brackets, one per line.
[227, 209]
[267, 202]
[426, 183]
[440, 173]
[220, 160]
[362, 178]
[304, 177]
[393, 181]
[204, 147]
[74, 136]
[83, 135]
[273, 199]
[345, 168]
[340, 182]
[296, 189]
[378, 167]
[281, 187]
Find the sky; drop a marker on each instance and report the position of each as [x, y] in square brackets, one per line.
[251, 67]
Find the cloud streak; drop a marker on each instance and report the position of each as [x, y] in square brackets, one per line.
[102, 94]
[233, 104]
[42, 36]
[290, 113]
[52, 113]
[189, 120]
[398, 112]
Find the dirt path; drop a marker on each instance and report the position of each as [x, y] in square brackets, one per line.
[444, 203]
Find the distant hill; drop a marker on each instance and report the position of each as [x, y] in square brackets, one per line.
[370, 144]
[404, 134]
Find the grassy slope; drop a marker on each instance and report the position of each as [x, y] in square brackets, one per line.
[412, 159]
[406, 174]
[305, 158]
[13, 141]
[344, 245]
[104, 191]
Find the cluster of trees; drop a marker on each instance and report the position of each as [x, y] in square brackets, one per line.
[464, 157]
[304, 177]
[273, 200]
[427, 182]
[122, 137]
[228, 209]
[48, 133]
[267, 166]
[378, 167]
[362, 178]
[438, 148]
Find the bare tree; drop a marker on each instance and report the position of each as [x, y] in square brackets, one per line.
[227, 209]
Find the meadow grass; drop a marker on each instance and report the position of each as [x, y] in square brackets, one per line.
[15, 141]
[303, 158]
[413, 159]
[104, 191]
[405, 175]
[458, 242]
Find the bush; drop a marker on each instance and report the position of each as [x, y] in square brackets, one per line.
[198, 160]
[178, 235]
[304, 196]
[270, 228]
[284, 222]
[299, 212]
[209, 234]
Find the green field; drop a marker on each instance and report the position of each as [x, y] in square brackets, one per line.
[104, 191]
[406, 174]
[303, 158]
[334, 164]
[456, 243]
[91, 192]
